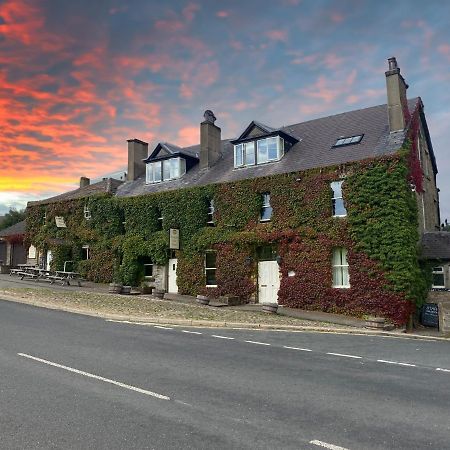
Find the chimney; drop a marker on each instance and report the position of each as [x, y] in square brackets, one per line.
[396, 96]
[210, 144]
[84, 182]
[137, 152]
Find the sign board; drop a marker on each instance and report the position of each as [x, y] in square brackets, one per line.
[429, 316]
[174, 239]
[60, 223]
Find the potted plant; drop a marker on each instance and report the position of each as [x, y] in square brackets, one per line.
[126, 290]
[116, 286]
[159, 293]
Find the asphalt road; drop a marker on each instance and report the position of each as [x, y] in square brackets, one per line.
[71, 381]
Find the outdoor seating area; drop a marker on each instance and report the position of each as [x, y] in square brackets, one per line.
[36, 273]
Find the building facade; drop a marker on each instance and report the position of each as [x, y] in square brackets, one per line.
[325, 214]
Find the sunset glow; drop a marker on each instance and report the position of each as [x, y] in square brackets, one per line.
[79, 78]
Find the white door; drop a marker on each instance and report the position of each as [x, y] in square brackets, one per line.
[268, 281]
[48, 259]
[173, 287]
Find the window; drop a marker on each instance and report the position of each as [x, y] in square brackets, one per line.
[266, 210]
[32, 252]
[210, 268]
[268, 150]
[438, 278]
[87, 213]
[169, 169]
[160, 219]
[244, 154]
[340, 268]
[348, 140]
[211, 210]
[148, 270]
[338, 201]
[85, 252]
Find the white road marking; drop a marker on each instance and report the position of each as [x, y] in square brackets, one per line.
[443, 370]
[256, 342]
[298, 348]
[396, 363]
[191, 332]
[326, 445]
[222, 337]
[344, 355]
[96, 377]
[163, 328]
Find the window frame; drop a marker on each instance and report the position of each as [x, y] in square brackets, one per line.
[437, 272]
[148, 276]
[343, 266]
[207, 268]
[86, 248]
[335, 198]
[265, 205]
[211, 210]
[348, 140]
[87, 212]
[167, 169]
[241, 152]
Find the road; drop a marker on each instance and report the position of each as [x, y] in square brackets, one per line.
[72, 381]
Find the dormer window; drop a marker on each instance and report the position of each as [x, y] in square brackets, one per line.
[165, 170]
[267, 150]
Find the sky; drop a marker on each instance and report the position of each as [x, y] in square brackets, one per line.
[79, 78]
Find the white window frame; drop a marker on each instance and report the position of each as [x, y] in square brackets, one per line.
[266, 205]
[335, 198]
[88, 253]
[169, 169]
[343, 266]
[435, 271]
[32, 252]
[210, 268]
[211, 211]
[87, 212]
[241, 152]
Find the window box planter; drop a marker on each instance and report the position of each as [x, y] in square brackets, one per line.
[202, 299]
[270, 308]
[158, 293]
[115, 288]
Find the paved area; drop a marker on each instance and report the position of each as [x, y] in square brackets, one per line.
[71, 381]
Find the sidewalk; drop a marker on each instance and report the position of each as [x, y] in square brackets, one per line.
[93, 299]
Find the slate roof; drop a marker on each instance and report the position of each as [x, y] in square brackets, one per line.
[108, 185]
[314, 149]
[436, 245]
[18, 228]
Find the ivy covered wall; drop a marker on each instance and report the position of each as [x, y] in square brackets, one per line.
[380, 233]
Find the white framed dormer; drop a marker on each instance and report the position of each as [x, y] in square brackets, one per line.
[165, 170]
[259, 151]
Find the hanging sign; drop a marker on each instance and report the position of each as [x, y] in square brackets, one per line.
[60, 223]
[174, 239]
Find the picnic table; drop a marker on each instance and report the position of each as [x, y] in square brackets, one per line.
[37, 273]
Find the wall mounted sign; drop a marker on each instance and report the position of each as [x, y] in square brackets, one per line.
[60, 223]
[174, 239]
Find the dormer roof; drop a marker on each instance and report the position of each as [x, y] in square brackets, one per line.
[166, 150]
[259, 130]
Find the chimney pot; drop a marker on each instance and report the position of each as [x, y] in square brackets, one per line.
[392, 63]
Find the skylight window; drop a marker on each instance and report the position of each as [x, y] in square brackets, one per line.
[348, 140]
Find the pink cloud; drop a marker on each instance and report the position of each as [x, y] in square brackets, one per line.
[223, 14]
[190, 10]
[185, 91]
[188, 136]
[337, 17]
[277, 35]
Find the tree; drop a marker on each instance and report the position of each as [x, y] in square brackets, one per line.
[12, 217]
[445, 226]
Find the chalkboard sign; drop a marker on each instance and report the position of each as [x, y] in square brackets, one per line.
[430, 315]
